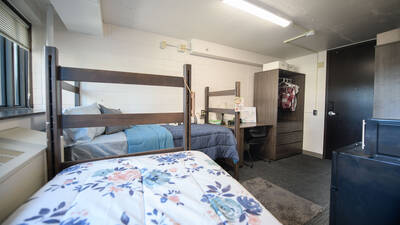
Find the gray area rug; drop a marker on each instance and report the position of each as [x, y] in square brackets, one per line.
[287, 207]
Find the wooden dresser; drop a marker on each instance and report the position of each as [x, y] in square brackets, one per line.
[286, 135]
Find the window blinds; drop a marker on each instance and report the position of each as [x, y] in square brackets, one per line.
[12, 27]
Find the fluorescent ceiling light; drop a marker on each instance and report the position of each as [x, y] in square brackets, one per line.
[257, 11]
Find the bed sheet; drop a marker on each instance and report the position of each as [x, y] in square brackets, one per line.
[216, 141]
[100, 146]
[172, 188]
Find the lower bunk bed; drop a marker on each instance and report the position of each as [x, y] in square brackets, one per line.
[215, 141]
[184, 187]
[99, 142]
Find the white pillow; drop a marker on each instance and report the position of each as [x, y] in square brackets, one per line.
[80, 135]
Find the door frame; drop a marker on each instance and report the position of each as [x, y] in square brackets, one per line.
[326, 104]
[327, 89]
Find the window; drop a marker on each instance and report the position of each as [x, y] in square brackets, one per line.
[14, 58]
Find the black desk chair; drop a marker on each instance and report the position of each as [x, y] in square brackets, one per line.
[254, 138]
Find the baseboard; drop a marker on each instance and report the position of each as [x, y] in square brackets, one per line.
[313, 154]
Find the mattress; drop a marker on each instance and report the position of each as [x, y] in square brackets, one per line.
[215, 141]
[99, 147]
[171, 188]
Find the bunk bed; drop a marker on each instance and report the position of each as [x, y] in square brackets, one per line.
[171, 186]
[236, 127]
[214, 141]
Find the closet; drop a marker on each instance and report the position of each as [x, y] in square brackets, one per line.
[286, 134]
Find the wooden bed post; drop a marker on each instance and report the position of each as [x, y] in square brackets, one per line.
[187, 75]
[54, 108]
[237, 130]
[78, 94]
[237, 114]
[206, 104]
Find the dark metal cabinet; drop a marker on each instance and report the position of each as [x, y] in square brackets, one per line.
[365, 185]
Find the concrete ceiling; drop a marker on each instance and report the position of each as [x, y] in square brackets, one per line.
[80, 16]
[337, 23]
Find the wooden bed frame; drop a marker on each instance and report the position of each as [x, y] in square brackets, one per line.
[235, 92]
[55, 80]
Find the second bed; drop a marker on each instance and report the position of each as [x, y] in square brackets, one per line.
[215, 141]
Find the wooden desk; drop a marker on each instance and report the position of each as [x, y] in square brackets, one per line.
[240, 143]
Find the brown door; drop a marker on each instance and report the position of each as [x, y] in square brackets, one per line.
[350, 91]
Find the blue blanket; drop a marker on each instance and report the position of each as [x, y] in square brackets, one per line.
[215, 141]
[148, 137]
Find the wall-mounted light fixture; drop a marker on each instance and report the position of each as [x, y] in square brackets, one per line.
[258, 11]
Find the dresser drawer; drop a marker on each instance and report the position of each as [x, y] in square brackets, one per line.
[286, 150]
[288, 138]
[289, 126]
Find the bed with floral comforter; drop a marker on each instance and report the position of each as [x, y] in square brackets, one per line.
[173, 188]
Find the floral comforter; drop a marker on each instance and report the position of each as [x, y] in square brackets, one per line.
[173, 188]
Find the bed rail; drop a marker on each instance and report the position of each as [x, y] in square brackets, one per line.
[107, 76]
[235, 92]
[169, 150]
[56, 77]
[99, 120]
[74, 89]
[223, 93]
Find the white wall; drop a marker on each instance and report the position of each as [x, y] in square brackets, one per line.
[131, 50]
[136, 51]
[313, 139]
[38, 81]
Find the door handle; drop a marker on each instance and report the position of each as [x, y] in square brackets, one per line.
[331, 113]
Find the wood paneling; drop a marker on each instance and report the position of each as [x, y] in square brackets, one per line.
[387, 81]
[266, 96]
[266, 102]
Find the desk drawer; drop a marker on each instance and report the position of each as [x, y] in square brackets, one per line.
[288, 138]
